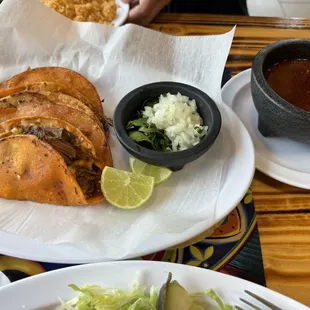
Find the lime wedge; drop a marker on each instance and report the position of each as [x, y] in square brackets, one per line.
[125, 190]
[160, 174]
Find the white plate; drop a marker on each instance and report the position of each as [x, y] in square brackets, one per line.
[52, 285]
[280, 158]
[122, 13]
[236, 179]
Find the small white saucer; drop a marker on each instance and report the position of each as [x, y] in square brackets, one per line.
[280, 158]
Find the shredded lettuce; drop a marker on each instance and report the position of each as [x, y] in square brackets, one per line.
[98, 298]
[211, 293]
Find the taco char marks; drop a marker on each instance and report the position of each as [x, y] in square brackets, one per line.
[44, 179]
[75, 149]
[53, 138]
[68, 146]
[75, 117]
[58, 80]
[19, 99]
[60, 139]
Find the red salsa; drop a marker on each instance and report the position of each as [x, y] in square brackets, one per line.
[290, 79]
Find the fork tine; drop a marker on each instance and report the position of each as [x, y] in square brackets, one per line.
[238, 308]
[250, 304]
[263, 301]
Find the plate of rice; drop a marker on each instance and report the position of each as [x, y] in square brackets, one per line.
[108, 12]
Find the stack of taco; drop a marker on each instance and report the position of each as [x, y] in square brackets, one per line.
[53, 138]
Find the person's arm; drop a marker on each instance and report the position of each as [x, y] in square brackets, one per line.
[144, 11]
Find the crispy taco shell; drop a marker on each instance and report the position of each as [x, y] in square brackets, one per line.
[57, 79]
[32, 170]
[69, 101]
[70, 143]
[16, 99]
[9, 104]
[74, 117]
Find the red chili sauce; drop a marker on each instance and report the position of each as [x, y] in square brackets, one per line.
[290, 79]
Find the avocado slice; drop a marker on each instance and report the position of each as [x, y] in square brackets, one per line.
[174, 296]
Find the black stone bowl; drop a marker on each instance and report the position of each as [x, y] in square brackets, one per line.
[132, 102]
[277, 117]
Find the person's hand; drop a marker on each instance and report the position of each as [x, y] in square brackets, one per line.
[143, 12]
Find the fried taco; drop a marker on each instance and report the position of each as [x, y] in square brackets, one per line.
[32, 170]
[56, 79]
[9, 104]
[67, 100]
[79, 161]
[72, 116]
[16, 99]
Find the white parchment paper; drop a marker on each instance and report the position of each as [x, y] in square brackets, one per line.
[116, 60]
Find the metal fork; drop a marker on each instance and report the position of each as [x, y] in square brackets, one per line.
[260, 299]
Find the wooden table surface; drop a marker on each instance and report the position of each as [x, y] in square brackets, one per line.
[283, 212]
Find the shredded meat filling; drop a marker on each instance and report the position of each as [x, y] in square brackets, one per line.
[87, 180]
[61, 140]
